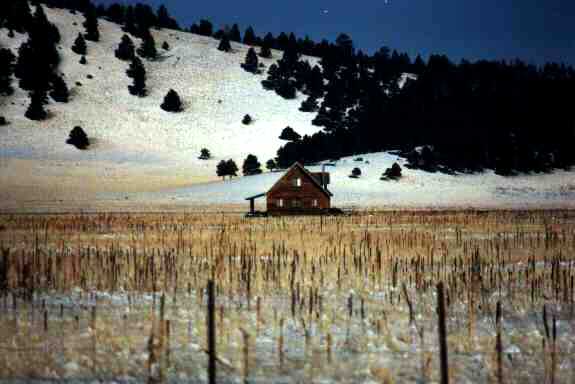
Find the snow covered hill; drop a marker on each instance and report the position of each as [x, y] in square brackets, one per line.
[415, 190]
[133, 136]
[145, 157]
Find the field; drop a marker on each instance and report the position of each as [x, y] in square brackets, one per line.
[352, 299]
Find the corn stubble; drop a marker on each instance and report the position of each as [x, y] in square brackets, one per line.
[346, 299]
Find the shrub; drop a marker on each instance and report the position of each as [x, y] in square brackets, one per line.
[78, 138]
[172, 102]
[205, 154]
[83, 60]
[392, 173]
[355, 173]
[165, 46]
[247, 120]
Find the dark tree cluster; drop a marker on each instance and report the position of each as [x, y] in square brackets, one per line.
[37, 61]
[466, 117]
[227, 168]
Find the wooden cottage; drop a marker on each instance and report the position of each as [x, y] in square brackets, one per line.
[298, 191]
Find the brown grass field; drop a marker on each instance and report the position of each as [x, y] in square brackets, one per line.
[301, 299]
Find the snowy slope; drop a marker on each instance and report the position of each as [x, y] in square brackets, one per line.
[216, 92]
[416, 189]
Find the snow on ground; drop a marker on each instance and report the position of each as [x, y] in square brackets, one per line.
[131, 133]
[416, 189]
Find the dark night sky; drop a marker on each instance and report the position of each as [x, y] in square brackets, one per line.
[534, 30]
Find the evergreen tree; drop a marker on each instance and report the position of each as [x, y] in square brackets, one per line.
[79, 46]
[36, 109]
[3, 121]
[148, 48]
[205, 154]
[224, 45]
[271, 165]
[7, 60]
[392, 173]
[286, 89]
[265, 51]
[165, 20]
[222, 169]
[251, 166]
[83, 60]
[251, 63]
[130, 22]
[235, 34]
[59, 90]
[137, 72]
[91, 24]
[249, 36]
[172, 102]
[309, 105]
[18, 16]
[247, 120]
[289, 134]
[125, 50]
[165, 46]
[78, 138]
[205, 28]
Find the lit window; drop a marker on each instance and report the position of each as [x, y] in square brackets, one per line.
[280, 202]
[297, 182]
[314, 203]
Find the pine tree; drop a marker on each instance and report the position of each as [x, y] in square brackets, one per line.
[83, 60]
[165, 46]
[165, 20]
[265, 51]
[222, 169]
[7, 60]
[137, 72]
[36, 109]
[91, 24]
[172, 102]
[235, 34]
[59, 90]
[19, 16]
[148, 48]
[249, 36]
[309, 105]
[251, 166]
[289, 134]
[251, 63]
[79, 46]
[205, 28]
[224, 45]
[125, 50]
[78, 138]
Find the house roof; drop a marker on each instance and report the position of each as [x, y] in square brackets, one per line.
[308, 174]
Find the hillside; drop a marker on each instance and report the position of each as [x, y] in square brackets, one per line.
[142, 157]
[138, 146]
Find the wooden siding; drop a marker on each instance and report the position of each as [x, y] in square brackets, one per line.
[296, 199]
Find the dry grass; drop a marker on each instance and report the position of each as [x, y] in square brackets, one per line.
[306, 297]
